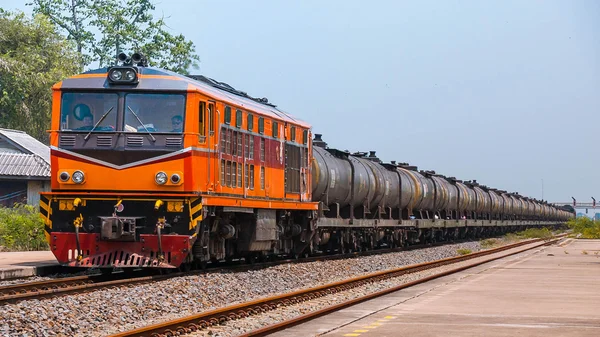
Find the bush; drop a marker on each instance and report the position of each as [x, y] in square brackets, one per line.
[585, 227]
[22, 228]
[534, 233]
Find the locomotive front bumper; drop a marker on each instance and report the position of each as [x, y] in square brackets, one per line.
[100, 253]
[121, 232]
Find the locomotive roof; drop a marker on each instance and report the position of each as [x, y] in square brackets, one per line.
[161, 79]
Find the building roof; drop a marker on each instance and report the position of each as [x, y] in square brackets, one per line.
[23, 165]
[32, 161]
[26, 143]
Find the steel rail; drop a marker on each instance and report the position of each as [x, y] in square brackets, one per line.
[79, 284]
[203, 320]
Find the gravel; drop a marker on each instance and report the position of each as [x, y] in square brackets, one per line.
[107, 311]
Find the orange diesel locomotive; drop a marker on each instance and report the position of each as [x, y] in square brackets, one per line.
[150, 167]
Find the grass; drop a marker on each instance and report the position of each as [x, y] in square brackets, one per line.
[489, 243]
[463, 251]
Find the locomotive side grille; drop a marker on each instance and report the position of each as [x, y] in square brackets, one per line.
[67, 140]
[135, 141]
[173, 142]
[104, 141]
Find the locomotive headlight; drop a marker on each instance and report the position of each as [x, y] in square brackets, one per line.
[122, 75]
[175, 178]
[161, 178]
[64, 176]
[78, 177]
[129, 75]
[116, 75]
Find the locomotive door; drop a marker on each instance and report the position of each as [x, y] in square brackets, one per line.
[212, 145]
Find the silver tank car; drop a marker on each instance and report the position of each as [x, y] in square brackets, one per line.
[360, 186]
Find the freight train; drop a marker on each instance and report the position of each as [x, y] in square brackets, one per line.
[154, 169]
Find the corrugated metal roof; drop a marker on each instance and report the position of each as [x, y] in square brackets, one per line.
[27, 143]
[23, 165]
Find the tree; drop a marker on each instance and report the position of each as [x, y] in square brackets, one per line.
[33, 56]
[119, 26]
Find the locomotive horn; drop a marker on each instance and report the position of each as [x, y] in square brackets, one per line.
[122, 57]
[137, 57]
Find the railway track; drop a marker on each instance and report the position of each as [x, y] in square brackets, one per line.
[80, 284]
[216, 317]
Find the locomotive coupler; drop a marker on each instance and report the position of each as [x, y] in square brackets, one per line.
[78, 222]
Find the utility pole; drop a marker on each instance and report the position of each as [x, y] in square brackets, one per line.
[542, 189]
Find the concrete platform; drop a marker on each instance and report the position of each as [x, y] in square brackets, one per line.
[550, 291]
[23, 264]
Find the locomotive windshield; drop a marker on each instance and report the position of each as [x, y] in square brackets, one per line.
[154, 112]
[82, 111]
[144, 112]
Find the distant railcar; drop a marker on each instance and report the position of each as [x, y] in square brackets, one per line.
[155, 169]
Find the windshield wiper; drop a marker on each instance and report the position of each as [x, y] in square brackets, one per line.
[98, 123]
[139, 120]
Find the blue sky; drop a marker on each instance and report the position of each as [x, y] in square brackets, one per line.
[504, 92]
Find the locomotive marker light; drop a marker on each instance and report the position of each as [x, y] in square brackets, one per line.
[161, 178]
[64, 176]
[175, 178]
[78, 177]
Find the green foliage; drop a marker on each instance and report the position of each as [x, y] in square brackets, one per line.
[21, 228]
[534, 233]
[463, 251]
[33, 56]
[489, 243]
[120, 26]
[585, 227]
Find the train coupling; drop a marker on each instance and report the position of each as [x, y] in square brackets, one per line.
[118, 228]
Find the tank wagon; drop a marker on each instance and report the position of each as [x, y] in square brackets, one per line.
[155, 169]
[364, 202]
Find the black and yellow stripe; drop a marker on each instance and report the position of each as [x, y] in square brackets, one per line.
[196, 212]
[46, 214]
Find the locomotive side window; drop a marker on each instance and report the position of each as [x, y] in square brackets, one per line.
[275, 129]
[211, 118]
[293, 133]
[201, 119]
[250, 122]
[81, 111]
[227, 115]
[261, 125]
[154, 113]
[304, 137]
[238, 118]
